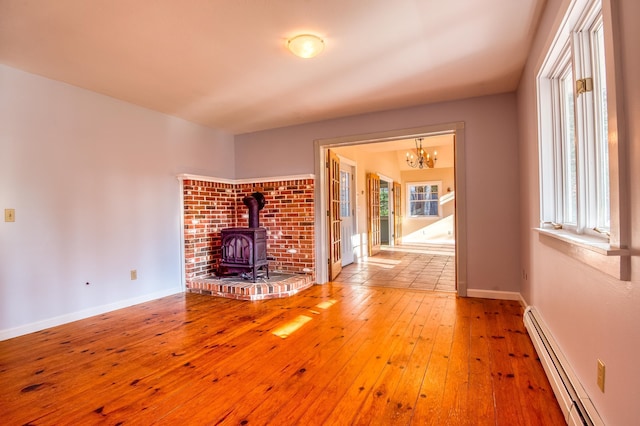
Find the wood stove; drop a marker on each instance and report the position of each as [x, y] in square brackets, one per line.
[244, 250]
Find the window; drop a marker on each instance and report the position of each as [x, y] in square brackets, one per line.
[573, 115]
[423, 199]
[345, 190]
[384, 201]
[583, 195]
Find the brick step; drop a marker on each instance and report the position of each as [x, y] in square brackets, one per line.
[278, 285]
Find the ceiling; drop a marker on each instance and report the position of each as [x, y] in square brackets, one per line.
[399, 148]
[224, 64]
[407, 144]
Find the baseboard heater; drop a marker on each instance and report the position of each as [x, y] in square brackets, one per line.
[576, 405]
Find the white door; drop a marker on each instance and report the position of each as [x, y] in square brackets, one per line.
[347, 208]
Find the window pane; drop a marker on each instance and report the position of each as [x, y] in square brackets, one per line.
[423, 200]
[570, 197]
[573, 127]
[345, 205]
[602, 139]
[384, 201]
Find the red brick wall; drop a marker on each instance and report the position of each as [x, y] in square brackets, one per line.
[288, 216]
[208, 207]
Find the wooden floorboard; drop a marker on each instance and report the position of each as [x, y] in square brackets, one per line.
[360, 355]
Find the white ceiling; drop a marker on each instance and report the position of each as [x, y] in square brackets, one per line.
[398, 149]
[223, 63]
[407, 144]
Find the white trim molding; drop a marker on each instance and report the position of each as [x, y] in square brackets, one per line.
[85, 313]
[495, 294]
[185, 176]
[599, 255]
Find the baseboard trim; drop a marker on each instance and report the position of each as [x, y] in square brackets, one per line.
[522, 301]
[85, 313]
[495, 294]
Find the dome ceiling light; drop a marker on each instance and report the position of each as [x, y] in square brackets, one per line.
[305, 45]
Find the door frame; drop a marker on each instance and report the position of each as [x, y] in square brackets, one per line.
[354, 190]
[390, 218]
[320, 153]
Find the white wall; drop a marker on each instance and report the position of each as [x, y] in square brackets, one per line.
[492, 171]
[93, 182]
[590, 314]
[416, 229]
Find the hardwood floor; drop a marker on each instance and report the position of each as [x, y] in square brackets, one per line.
[359, 355]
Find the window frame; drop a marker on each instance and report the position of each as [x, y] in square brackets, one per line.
[577, 33]
[409, 185]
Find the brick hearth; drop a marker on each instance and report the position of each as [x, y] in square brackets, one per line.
[278, 285]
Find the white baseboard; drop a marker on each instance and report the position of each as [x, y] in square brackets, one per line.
[85, 313]
[523, 302]
[495, 294]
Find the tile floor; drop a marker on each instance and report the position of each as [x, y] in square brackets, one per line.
[420, 267]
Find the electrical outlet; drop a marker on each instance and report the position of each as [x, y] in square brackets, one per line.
[9, 215]
[601, 368]
[134, 274]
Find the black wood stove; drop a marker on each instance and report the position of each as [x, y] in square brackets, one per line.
[244, 250]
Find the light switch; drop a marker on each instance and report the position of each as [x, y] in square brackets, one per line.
[9, 215]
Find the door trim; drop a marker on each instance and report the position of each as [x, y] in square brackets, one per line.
[397, 213]
[351, 166]
[391, 219]
[320, 151]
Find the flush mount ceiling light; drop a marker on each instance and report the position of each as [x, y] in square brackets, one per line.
[305, 45]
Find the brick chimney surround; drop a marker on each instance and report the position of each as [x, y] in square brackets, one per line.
[288, 216]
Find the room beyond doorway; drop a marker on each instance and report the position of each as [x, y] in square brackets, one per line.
[394, 202]
[416, 267]
[377, 145]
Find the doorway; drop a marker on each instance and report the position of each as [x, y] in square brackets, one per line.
[454, 129]
[347, 211]
[386, 211]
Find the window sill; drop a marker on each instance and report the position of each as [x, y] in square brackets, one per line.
[593, 251]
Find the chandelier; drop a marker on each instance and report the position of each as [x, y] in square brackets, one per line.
[419, 160]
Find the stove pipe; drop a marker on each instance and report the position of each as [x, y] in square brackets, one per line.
[254, 202]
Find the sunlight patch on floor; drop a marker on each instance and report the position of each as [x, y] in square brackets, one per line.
[326, 304]
[291, 327]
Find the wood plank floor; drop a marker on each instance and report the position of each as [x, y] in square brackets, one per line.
[347, 355]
